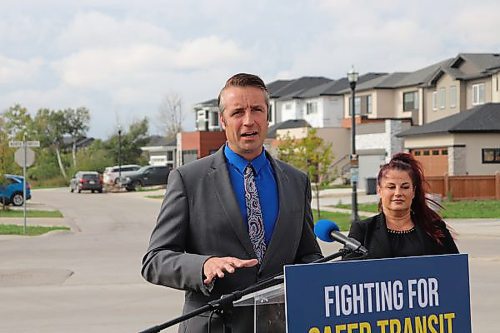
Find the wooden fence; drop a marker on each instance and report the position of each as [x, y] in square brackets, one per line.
[466, 187]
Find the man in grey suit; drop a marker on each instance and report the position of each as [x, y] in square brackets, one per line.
[209, 240]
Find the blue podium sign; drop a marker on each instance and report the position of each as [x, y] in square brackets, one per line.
[427, 294]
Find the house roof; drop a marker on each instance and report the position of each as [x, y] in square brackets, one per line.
[335, 87]
[292, 123]
[479, 65]
[422, 75]
[158, 140]
[482, 118]
[296, 87]
[275, 86]
[209, 103]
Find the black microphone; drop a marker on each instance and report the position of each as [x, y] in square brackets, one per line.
[328, 231]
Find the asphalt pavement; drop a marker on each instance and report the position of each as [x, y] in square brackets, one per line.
[88, 279]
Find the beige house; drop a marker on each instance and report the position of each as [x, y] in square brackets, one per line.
[466, 143]
[465, 82]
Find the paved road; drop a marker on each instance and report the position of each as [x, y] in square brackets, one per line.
[88, 280]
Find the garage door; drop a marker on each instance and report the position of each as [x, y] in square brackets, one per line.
[434, 160]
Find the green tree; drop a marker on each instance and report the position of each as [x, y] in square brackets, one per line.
[94, 157]
[50, 127]
[77, 125]
[17, 123]
[312, 155]
[132, 140]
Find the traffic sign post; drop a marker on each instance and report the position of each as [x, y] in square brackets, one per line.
[24, 157]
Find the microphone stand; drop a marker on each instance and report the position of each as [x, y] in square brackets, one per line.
[229, 299]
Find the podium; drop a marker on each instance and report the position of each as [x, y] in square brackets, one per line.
[269, 309]
[391, 295]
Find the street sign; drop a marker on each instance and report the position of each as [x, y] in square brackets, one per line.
[19, 157]
[15, 144]
[32, 143]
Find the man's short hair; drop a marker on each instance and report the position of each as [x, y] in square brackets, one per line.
[244, 80]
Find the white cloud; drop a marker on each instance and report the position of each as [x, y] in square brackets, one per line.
[14, 72]
[209, 51]
[120, 57]
[97, 30]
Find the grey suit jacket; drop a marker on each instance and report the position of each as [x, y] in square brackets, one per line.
[200, 218]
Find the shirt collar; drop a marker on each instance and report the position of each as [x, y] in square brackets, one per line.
[240, 163]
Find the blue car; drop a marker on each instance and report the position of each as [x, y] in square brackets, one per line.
[11, 190]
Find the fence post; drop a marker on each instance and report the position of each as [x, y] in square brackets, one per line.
[447, 186]
[497, 185]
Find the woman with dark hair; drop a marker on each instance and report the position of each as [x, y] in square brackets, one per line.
[406, 225]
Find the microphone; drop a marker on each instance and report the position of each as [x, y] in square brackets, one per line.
[328, 231]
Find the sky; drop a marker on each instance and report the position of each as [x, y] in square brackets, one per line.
[122, 58]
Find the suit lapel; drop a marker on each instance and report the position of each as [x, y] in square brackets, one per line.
[280, 237]
[227, 200]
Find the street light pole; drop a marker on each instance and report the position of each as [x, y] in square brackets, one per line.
[352, 76]
[119, 154]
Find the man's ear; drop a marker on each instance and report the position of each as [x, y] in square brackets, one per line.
[222, 121]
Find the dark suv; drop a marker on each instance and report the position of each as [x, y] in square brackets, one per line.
[86, 181]
[146, 176]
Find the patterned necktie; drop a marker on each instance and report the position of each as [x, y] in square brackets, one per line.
[254, 214]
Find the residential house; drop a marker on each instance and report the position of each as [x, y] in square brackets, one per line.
[463, 83]
[465, 143]
[207, 116]
[197, 144]
[285, 102]
[161, 151]
[468, 80]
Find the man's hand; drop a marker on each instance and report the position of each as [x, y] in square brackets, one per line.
[216, 267]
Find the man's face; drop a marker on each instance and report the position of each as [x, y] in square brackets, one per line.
[245, 120]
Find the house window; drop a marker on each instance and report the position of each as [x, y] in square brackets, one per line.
[442, 98]
[416, 152]
[434, 100]
[311, 107]
[369, 104]
[201, 121]
[426, 153]
[214, 119]
[435, 152]
[363, 105]
[491, 155]
[453, 96]
[410, 101]
[444, 152]
[478, 94]
[270, 116]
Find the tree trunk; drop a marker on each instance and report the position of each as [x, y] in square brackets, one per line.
[73, 153]
[317, 202]
[59, 161]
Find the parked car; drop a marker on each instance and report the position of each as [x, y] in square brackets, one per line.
[146, 176]
[11, 190]
[110, 175]
[86, 181]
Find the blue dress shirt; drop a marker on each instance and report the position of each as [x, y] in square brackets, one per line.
[266, 187]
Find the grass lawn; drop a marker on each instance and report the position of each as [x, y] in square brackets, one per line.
[31, 230]
[30, 213]
[343, 220]
[159, 196]
[453, 209]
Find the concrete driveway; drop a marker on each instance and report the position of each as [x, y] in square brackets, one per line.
[88, 279]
